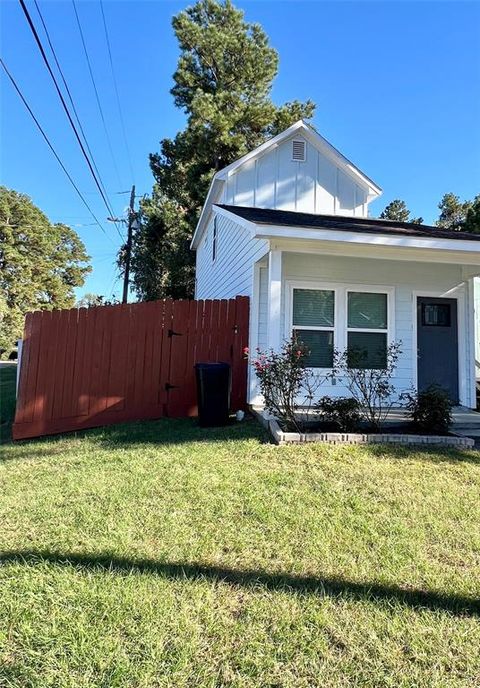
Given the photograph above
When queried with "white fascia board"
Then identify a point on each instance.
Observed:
(319, 142)
(468, 250)
(212, 196)
(256, 152)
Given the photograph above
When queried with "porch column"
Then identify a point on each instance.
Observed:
(472, 334)
(275, 334)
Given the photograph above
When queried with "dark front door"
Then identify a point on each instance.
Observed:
(437, 341)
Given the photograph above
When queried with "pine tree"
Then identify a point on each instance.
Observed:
(222, 83)
(397, 211)
(453, 212)
(472, 219)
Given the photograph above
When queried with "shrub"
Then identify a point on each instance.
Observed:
(430, 410)
(344, 412)
(371, 387)
(286, 384)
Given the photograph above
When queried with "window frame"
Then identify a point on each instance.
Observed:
(340, 328)
(366, 330)
(314, 286)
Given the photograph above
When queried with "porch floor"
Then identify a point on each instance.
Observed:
(466, 421)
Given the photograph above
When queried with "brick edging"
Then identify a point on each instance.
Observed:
(281, 438)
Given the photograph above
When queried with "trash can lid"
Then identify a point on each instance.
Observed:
(216, 364)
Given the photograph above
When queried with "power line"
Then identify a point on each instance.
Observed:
(97, 97)
(67, 112)
(116, 91)
(50, 145)
(67, 88)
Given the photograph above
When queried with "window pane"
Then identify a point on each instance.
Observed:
(436, 314)
(367, 310)
(367, 350)
(313, 307)
(320, 345)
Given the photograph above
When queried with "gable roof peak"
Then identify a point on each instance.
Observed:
(316, 140)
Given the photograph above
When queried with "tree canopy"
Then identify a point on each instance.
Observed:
(397, 210)
(453, 213)
(40, 263)
(222, 83)
(472, 218)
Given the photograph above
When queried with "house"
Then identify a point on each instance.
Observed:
(287, 224)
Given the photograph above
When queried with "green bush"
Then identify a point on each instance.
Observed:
(344, 412)
(430, 410)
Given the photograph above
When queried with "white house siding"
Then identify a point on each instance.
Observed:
(231, 274)
(477, 325)
(404, 276)
(317, 185)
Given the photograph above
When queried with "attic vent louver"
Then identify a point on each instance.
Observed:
(298, 151)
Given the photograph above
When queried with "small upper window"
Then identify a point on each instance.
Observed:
(214, 240)
(299, 151)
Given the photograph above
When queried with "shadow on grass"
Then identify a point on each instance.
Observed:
(321, 586)
(165, 431)
(433, 454)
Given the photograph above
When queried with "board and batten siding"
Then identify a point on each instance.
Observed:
(405, 277)
(316, 185)
(231, 273)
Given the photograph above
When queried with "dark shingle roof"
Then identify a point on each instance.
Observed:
(364, 225)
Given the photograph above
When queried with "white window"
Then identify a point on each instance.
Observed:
(313, 324)
(214, 240)
(326, 317)
(367, 329)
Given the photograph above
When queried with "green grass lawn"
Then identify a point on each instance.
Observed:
(159, 554)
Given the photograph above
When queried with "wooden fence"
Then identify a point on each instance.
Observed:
(83, 368)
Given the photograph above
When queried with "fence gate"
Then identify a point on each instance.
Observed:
(87, 367)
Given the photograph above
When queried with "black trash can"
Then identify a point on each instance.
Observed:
(213, 393)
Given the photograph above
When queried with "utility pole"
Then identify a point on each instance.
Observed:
(128, 247)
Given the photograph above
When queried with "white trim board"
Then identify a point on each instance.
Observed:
(460, 246)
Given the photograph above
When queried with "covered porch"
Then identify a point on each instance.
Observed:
(374, 288)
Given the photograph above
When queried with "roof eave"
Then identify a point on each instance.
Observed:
(468, 248)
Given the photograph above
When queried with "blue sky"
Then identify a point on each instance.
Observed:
(397, 87)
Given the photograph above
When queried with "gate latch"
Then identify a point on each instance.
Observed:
(168, 386)
(172, 333)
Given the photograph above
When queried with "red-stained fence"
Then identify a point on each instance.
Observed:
(83, 368)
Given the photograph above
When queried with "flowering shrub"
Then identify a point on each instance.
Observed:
(286, 383)
(371, 387)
